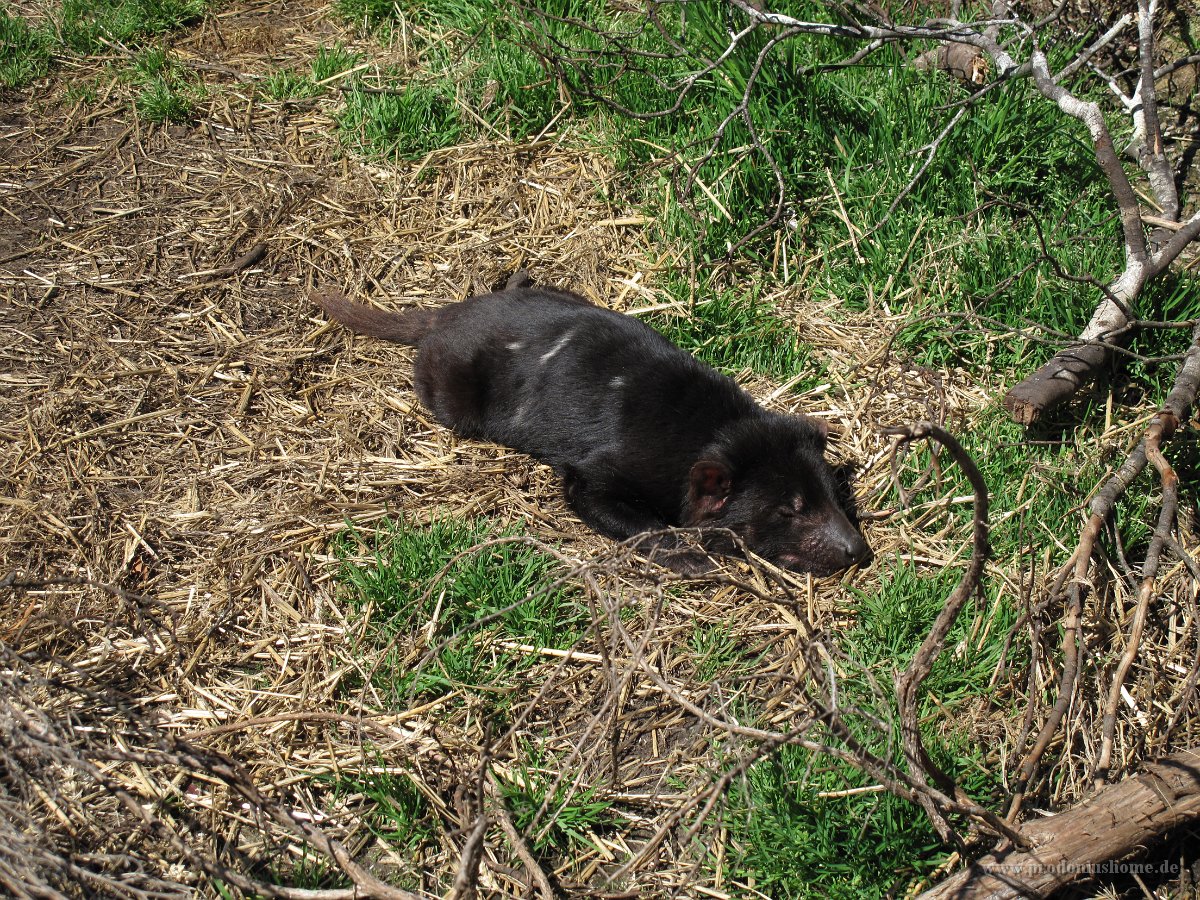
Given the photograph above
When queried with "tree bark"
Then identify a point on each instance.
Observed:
(1056, 381)
(1114, 823)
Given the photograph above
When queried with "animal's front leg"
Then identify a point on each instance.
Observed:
(609, 507)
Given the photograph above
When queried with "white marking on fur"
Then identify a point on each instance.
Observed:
(617, 383)
(562, 342)
(514, 345)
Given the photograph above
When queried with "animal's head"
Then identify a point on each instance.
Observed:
(767, 481)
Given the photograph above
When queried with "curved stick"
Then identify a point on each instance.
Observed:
(908, 684)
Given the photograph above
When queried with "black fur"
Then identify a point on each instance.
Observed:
(644, 435)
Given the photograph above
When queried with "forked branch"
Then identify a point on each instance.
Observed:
(1073, 577)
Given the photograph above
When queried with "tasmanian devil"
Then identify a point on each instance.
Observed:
(643, 435)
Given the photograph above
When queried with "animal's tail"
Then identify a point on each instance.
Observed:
(404, 327)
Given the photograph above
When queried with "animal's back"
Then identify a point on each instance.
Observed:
(547, 373)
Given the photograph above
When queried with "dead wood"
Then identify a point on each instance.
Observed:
(1056, 381)
(247, 259)
(908, 683)
(1075, 366)
(1113, 824)
(961, 61)
(1073, 576)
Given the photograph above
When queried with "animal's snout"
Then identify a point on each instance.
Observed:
(838, 547)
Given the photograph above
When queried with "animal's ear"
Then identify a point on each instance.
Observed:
(709, 484)
(819, 426)
(518, 279)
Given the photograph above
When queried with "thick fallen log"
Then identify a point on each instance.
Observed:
(1110, 826)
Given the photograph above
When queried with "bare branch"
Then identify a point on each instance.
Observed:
(1176, 245)
(1163, 426)
(1096, 46)
(1169, 68)
(1148, 142)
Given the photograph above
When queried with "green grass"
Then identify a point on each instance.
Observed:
(332, 61)
(85, 90)
(25, 52)
(398, 811)
(287, 85)
(310, 870)
(89, 26)
(732, 331)
(401, 121)
(165, 91)
(791, 842)
(477, 80)
(716, 651)
(571, 813)
(376, 14)
(329, 62)
(503, 591)
(161, 101)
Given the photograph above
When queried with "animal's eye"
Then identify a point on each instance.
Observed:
(789, 510)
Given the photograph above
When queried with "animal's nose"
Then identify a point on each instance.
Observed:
(852, 546)
(859, 550)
